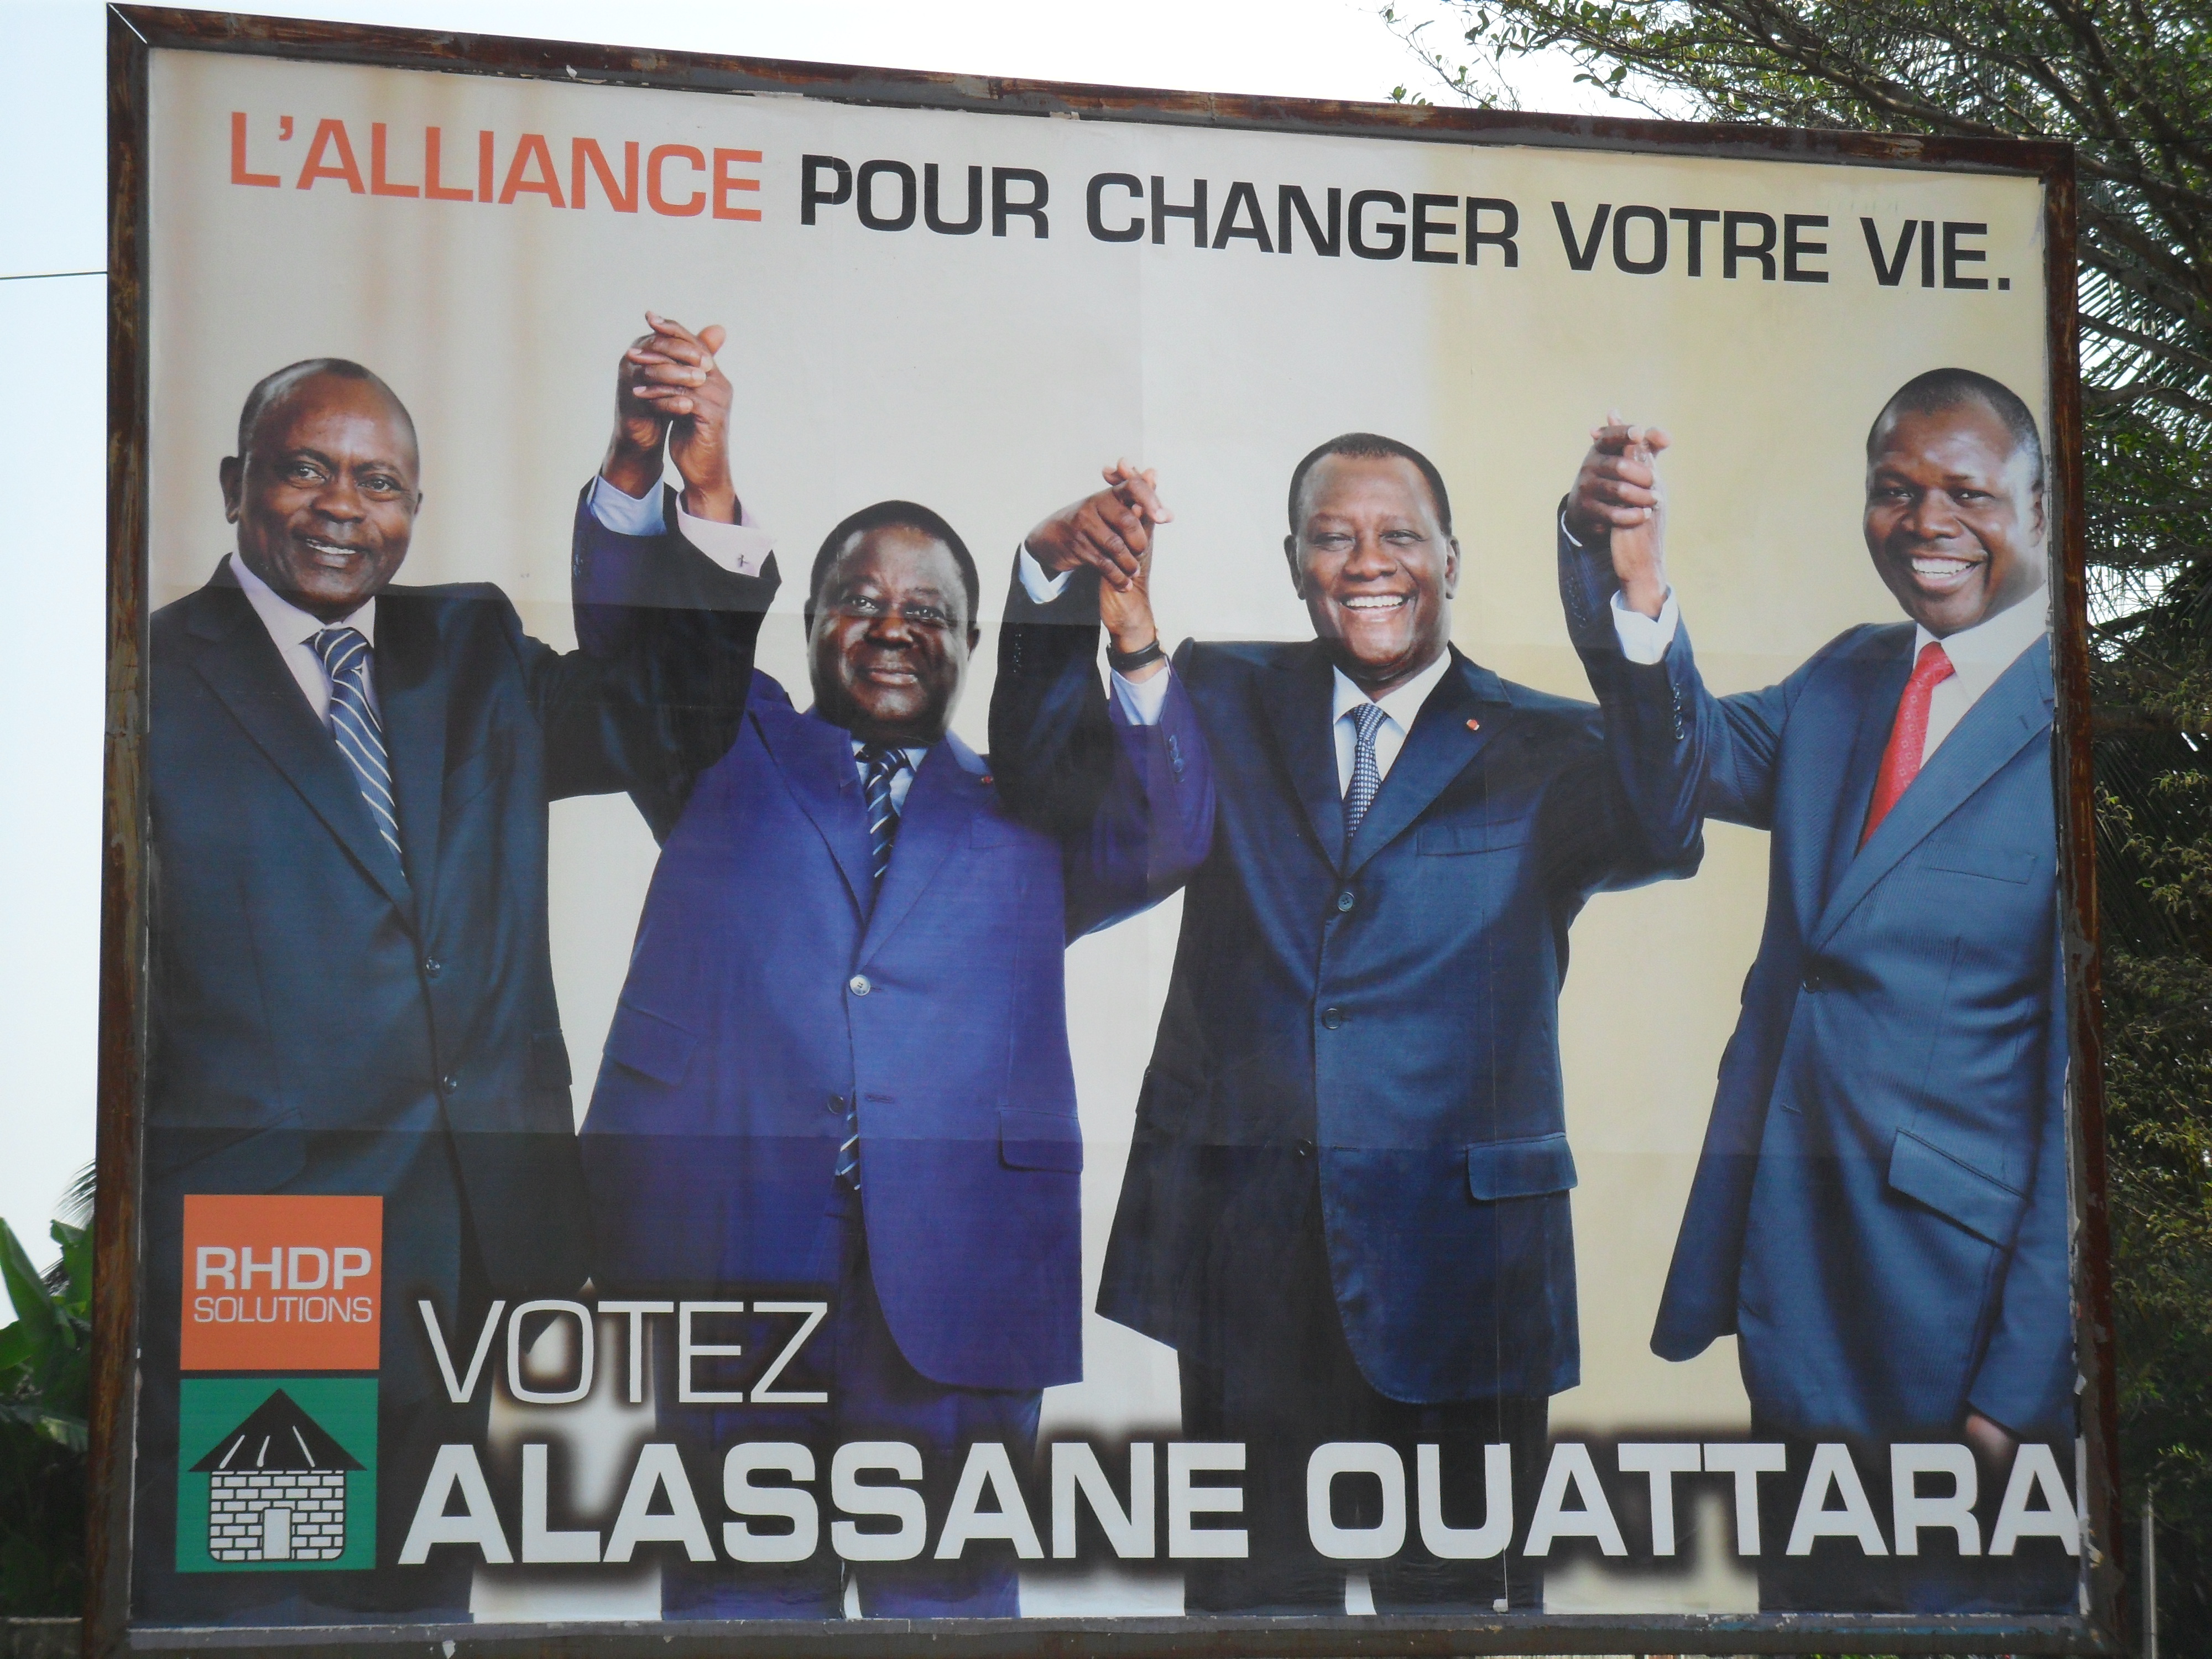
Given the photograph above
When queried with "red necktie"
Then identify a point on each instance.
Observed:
(1908, 736)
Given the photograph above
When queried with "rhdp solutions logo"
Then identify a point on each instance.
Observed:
(276, 1464)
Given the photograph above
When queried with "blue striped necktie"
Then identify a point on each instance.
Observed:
(359, 733)
(1366, 777)
(881, 763)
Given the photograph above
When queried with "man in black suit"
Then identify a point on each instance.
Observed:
(1346, 1202)
(352, 989)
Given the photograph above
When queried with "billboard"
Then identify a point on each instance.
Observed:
(848, 819)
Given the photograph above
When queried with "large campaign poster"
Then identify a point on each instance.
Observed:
(975, 855)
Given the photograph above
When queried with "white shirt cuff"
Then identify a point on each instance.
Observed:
(1573, 540)
(1040, 589)
(624, 514)
(1142, 700)
(742, 549)
(1645, 639)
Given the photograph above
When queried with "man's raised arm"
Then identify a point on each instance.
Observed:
(1122, 776)
(669, 585)
(1680, 753)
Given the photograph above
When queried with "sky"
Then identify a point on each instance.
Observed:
(52, 376)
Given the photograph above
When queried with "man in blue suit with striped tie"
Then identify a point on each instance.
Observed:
(1880, 1213)
(1346, 1205)
(837, 1095)
(352, 989)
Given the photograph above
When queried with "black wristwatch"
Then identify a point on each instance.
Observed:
(1128, 662)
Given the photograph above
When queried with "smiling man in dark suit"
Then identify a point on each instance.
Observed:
(1346, 1205)
(352, 991)
(1880, 1213)
(838, 1077)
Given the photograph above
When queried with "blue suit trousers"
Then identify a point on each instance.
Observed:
(874, 1394)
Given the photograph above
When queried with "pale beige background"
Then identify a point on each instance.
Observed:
(991, 378)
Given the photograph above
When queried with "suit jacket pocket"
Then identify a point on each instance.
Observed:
(1981, 1204)
(650, 1044)
(1520, 1169)
(1039, 1141)
(2010, 864)
(1448, 839)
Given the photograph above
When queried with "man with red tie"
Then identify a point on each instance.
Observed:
(1880, 1213)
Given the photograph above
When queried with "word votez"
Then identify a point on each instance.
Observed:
(789, 1324)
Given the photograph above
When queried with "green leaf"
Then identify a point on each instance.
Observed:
(35, 1309)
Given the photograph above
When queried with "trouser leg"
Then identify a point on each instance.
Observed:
(874, 1394)
(1836, 1574)
(1288, 1383)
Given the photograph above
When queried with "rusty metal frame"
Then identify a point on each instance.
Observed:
(135, 32)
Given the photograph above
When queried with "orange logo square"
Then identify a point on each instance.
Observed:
(290, 1283)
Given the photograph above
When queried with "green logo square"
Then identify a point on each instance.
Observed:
(276, 1474)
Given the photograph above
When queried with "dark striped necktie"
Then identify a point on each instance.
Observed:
(883, 764)
(359, 733)
(1366, 777)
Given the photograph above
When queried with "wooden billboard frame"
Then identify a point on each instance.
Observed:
(135, 33)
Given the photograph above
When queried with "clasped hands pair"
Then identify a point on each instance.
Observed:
(672, 399)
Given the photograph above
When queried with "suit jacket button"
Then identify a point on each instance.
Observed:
(859, 986)
(1812, 983)
(834, 1104)
(1305, 1149)
(1346, 900)
(1332, 1018)
(448, 1084)
(432, 967)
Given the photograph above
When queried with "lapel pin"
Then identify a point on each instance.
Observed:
(1474, 725)
(987, 777)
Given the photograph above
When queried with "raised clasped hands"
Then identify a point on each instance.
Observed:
(1112, 531)
(670, 393)
(1618, 505)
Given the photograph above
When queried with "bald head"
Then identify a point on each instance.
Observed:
(273, 389)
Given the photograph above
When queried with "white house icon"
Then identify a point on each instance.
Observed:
(277, 1488)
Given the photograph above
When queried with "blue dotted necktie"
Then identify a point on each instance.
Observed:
(1366, 721)
(883, 764)
(354, 723)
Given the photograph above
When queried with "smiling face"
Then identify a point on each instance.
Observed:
(890, 637)
(1375, 568)
(1953, 515)
(325, 498)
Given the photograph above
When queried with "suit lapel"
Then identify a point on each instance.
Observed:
(815, 759)
(234, 653)
(1437, 750)
(2012, 713)
(1298, 714)
(410, 693)
(1872, 684)
(941, 804)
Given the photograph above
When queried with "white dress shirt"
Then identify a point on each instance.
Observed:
(1979, 654)
(290, 629)
(902, 779)
(1141, 700)
(1399, 708)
